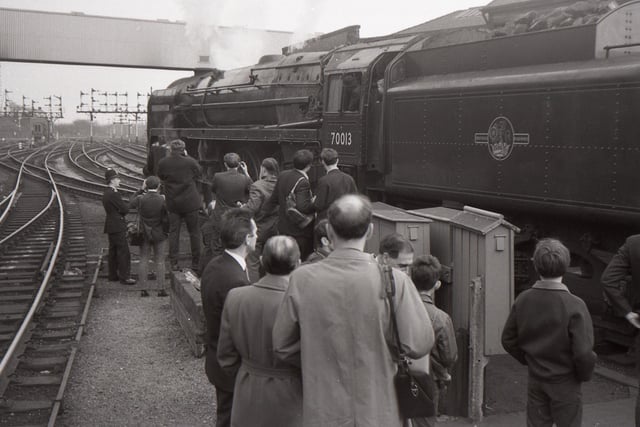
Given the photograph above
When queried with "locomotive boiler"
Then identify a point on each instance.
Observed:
(541, 126)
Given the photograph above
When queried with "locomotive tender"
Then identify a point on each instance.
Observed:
(542, 127)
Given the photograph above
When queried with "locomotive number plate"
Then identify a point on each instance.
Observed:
(341, 138)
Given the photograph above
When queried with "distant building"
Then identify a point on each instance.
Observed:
(26, 129)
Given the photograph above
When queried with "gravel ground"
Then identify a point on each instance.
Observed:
(133, 366)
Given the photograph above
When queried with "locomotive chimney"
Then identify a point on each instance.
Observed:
(204, 64)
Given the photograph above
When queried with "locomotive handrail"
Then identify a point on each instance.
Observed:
(257, 86)
(294, 124)
(618, 46)
(244, 104)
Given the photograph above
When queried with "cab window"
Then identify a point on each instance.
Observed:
(345, 93)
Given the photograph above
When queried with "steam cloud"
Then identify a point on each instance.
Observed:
(212, 28)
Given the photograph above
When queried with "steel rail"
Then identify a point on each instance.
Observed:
(31, 221)
(9, 355)
(96, 161)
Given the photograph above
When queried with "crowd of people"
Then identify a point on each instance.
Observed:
(298, 325)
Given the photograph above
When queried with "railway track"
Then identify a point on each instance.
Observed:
(44, 297)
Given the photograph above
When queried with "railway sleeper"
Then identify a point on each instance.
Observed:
(19, 406)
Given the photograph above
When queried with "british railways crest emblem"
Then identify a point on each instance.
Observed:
(501, 138)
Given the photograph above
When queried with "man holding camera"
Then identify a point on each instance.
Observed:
(229, 189)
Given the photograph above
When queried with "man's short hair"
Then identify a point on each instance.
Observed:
(394, 243)
(280, 255)
(231, 160)
(551, 258)
(425, 272)
(302, 159)
(271, 165)
(234, 227)
(152, 182)
(329, 156)
(350, 216)
(320, 231)
(176, 145)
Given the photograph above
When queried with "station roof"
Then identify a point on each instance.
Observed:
(467, 18)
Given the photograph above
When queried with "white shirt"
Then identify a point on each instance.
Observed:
(303, 173)
(239, 259)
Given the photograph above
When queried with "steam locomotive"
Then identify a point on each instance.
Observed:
(542, 126)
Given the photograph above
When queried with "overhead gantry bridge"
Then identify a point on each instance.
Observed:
(80, 39)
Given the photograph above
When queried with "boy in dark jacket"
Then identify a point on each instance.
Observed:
(425, 273)
(550, 331)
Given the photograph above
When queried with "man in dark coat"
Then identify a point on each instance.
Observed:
(153, 212)
(621, 280)
(116, 228)
(333, 185)
(181, 175)
(299, 179)
(223, 273)
(229, 189)
(157, 152)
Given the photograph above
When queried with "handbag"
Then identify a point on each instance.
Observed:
(298, 218)
(135, 229)
(414, 390)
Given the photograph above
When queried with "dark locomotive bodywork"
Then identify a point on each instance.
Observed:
(539, 126)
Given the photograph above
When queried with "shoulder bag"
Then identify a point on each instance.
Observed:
(135, 229)
(415, 391)
(300, 219)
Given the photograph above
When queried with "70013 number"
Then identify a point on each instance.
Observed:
(341, 138)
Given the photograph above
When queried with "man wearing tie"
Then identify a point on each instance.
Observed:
(238, 235)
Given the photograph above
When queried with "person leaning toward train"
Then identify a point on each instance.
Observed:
(396, 251)
(223, 273)
(289, 180)
(259, 193)
(228, 189)
(267, 392)
(425, 274)
(333, 185)
(181, 176)
(334, 322)
(155, 218)
(621, 280)
(550, 330)
(157, 152)
(115, 227)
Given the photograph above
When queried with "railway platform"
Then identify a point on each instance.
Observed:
(613, 413)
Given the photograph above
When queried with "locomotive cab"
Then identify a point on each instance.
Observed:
(353, 96)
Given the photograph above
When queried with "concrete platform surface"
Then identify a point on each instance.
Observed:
(613, 413)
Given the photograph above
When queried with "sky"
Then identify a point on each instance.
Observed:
(36, 81)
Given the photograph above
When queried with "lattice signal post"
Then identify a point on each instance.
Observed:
(102, 102)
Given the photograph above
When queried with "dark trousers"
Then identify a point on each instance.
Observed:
(119, 256)
(305, 243)
(224, 400)
(637, 350)
(554, 402)
(175, 223)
